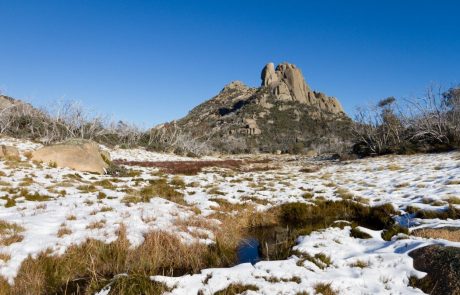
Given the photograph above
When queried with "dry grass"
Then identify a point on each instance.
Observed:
(310, 169)
(10, 233)
(360, 264)
(234, 289)
(451, 234)
(453, 200)
(325, 289)
(394, 167)
(92, 265)
(63, 231)
(321, 260)
(96, 224)
(156, 188)
(4, 257)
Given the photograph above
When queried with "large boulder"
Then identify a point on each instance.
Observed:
(81, 155)
(442, 265)
(9, 152)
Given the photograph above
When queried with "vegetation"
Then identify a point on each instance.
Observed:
(234, 289)
(325, 213)
(429, 123)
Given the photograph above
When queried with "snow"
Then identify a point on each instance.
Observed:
(426, 181)
(387, 272)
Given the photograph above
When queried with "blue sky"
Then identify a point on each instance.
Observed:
(152, 61)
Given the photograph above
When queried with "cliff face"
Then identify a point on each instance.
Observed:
(282, 114)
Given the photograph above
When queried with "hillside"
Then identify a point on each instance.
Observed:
(282, 114)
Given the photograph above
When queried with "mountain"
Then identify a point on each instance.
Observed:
(282, 114)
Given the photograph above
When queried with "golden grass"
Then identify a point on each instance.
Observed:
(394, 167)
(234, 289)
(360, 264)
(10, 233)
(325, 289)
(156, 188)
(438, 233)
(90, 266)
(5, 257)
(63, 231)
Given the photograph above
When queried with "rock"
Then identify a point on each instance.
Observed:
(235, 85)
(80, 155)
(288, 84)
(9, 152)
(268, 74)
(442, 265)
(251, 127)
(283, 114)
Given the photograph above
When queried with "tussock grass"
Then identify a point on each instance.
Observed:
(10, 202)
(178, 182)
(310, 169)
(215, 191)
(326, 212)
(321, 260)
(10, 233)
(450, 234)
(105, 183)
(87, 188)
(394, 167)
(255, 200)
(234, 289)
(324, 289)
(4, 257)
(450, 212)
(63, 231)
(357, 233)
(101, 195)
(156, 188)
(393, 230)
(360, 264)
(226, 206)
(87, 268)
(454, 200)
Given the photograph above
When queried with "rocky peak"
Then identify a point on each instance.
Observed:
(235, 85)
(287, 83)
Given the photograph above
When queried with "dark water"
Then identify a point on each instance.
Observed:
(248, 251)
(265, 243)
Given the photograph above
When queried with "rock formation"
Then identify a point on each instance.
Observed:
(284, 113)
(287, 83)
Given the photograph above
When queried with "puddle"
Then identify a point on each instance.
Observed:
(266, 243)
(248, 251)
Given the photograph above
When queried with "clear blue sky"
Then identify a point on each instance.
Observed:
(152, 61)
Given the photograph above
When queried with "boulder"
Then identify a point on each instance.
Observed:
(80, 155)
(442, 265)
(9, 152)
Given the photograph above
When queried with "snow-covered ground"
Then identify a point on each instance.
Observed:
(427, 181)
(358, 266)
